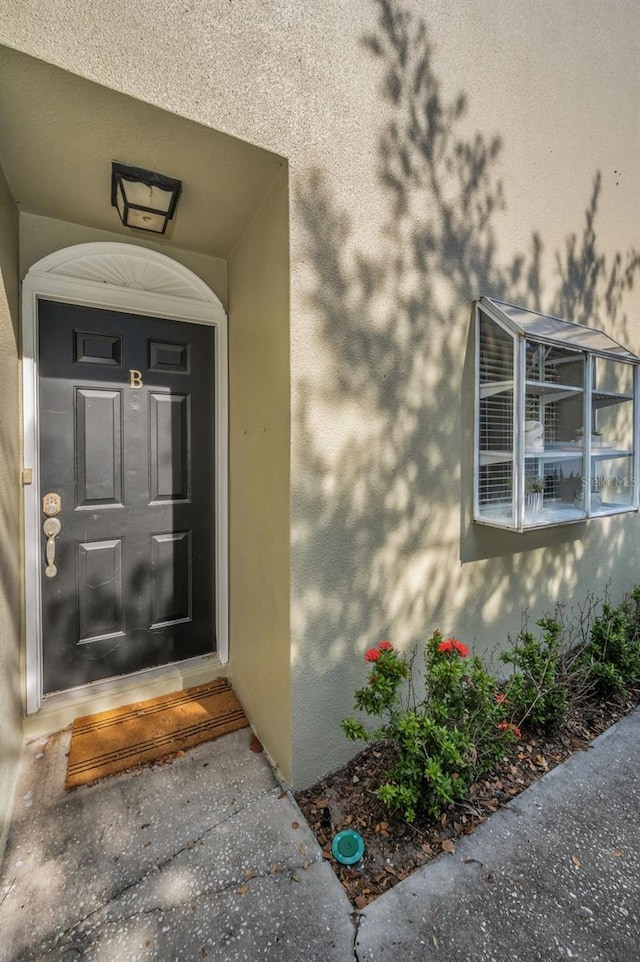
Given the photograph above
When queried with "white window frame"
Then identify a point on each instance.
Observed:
(517, 384)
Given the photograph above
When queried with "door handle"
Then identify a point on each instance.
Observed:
(51, 528)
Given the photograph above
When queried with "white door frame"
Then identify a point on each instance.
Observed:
(133, 280)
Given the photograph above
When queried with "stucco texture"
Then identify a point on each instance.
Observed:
(259, 404)
(10, 562)
(435, 152)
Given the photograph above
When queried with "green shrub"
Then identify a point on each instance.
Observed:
(612, 655)
(537, 692)
(465, 722)
(443, 743)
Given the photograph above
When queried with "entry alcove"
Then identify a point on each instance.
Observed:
(557, 420)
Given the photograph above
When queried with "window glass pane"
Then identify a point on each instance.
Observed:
(612, 436)
(612, 421)
(495, 489)
(612, 426)
(553, 488)
(496, 352)
(553, 365)
(611, 483)
(612, 377)
(562, 332)
(495, 475)
(554, 413)
(553, 451)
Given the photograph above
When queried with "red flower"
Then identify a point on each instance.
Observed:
(500, 698)
(452, 644)
(385, 646)
(372, 654)
(509, 726)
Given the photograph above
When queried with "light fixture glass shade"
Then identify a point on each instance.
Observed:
(144, 199)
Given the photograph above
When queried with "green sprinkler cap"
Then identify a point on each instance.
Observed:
(347, 847)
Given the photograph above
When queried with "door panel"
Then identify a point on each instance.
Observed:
(100, 590)
(170, 454)
(171, 575)
(125, 404)
(98, 446)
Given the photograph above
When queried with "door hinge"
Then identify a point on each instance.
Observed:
(27, 475)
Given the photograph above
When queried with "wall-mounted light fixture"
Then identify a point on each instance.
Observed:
(144, 199)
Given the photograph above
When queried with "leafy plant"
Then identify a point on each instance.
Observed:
(444, 742)
(466, 721)
(612, 655)
(537, 690)
(535, 487)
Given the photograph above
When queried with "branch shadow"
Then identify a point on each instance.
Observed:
(10, 503)
(383, 538)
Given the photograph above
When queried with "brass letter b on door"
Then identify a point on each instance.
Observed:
(135, 379)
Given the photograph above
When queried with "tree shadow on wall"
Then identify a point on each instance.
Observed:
(377, 538)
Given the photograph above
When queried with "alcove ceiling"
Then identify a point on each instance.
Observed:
(60, 133)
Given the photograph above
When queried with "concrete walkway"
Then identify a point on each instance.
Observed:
(206, 858)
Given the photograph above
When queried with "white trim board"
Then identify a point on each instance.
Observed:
(133, 280)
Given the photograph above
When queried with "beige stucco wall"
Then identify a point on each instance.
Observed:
(387, 252)
(10, 627)
(259, 401)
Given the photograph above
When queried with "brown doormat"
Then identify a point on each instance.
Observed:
(114, 741)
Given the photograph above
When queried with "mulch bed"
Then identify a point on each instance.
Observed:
(395, 848)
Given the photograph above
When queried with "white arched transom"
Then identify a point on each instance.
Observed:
(126, 266)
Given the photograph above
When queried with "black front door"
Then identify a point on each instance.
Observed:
(127, 444)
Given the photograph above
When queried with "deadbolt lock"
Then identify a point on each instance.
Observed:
(51, 504)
